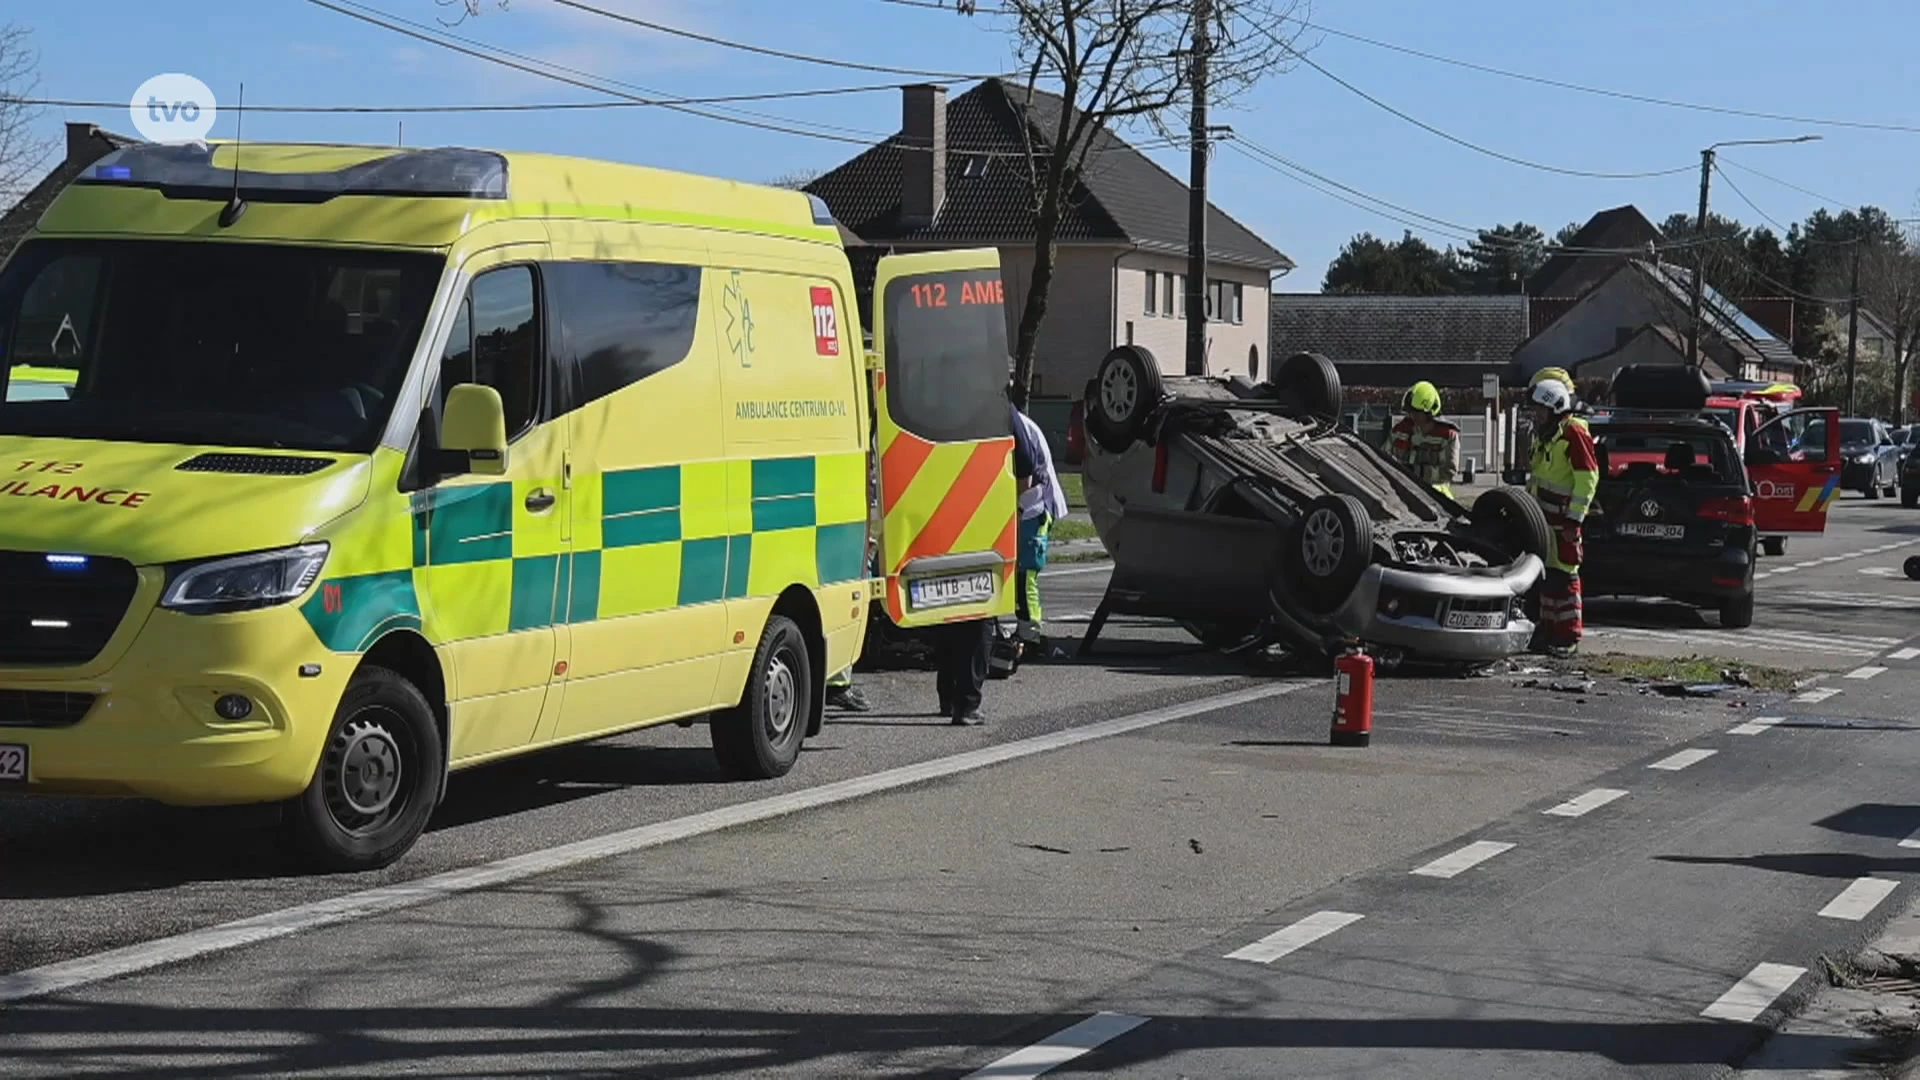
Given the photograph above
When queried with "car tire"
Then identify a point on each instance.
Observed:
(1911, 567)
(1774, 546)
(379, 777)
(1872, 490)
(759, 739)
(1736, 612)
(1328, 548)
(1126, 388)
(1514, 519)
(1310, 384)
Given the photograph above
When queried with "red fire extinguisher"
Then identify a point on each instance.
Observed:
(1352, 699)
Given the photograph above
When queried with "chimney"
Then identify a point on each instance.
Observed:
(82, 143)
(923, 130)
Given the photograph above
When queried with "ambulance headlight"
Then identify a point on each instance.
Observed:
(243, 582)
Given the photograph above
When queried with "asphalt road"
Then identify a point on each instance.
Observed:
(1147, 865)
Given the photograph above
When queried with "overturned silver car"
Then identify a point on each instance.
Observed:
(1244, 512)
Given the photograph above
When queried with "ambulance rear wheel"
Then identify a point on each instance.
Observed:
(759, 739)
(378, 780)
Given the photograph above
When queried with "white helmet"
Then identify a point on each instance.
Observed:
(1553, 395)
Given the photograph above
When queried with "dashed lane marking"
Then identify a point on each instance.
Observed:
(1831, 559)
(1815, 697)
(1912, 840)
(1907, 653)
(1867, 672)
(1459, 862)
(1682, 759)
(1858, 900)
(1581, 805)
(1069, 571)
(1754, 993)
(1060, 1048)
(53, 978)
(1756, 725)
(1295, 937)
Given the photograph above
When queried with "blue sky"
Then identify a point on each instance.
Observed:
(1774, 55)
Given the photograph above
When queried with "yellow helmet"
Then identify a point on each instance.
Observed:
(1558, 375)
(1422, 397)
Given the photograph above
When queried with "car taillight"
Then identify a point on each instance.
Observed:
(1730, 509)
(1077, 433)
(1160, 468)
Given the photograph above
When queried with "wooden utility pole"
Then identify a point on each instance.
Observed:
(1853, 323)
(1196, 291)
(1699, 261)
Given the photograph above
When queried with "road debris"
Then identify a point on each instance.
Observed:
(1195, 845)
(1048, 850)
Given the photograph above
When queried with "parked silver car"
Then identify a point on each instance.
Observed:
(1246, 513)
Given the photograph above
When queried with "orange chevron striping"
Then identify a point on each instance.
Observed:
(899, 465)
(1009, 543)
(970, 489)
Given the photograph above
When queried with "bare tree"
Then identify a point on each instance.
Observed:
(1113, 63)
(1890, 288)
(467, 9)
(795, 180)
(22, 152)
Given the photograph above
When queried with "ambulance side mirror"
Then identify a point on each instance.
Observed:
(474, 426)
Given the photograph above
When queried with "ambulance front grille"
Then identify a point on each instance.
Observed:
(60, 610)
(42, 708)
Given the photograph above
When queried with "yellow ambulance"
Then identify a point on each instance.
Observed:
(379, 463)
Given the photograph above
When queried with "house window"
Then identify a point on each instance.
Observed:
(1169, 284)
(1236, 302)
(1153, 294)
(1129, 331)
(1182, 291)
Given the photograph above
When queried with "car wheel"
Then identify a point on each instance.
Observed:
(1912, 567)
(1328, 548)
(1310, 384)
(379, 777)
(1126, 389)
(759, 739)
(1775, 546)
(1514, 520)
(1736, 612)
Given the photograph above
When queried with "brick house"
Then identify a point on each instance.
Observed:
(957, 175)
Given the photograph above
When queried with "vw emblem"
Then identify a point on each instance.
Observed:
(1650, 508)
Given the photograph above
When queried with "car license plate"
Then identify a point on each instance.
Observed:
(951, 590)
(1477, 620)
(13, 761)
(1656, 532)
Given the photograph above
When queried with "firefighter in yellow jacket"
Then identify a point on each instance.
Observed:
(1425, 445)
(1564, 475)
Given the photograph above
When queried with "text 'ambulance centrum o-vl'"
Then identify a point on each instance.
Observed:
(327, 470)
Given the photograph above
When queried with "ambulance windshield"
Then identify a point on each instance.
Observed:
(219, 344)
(946, 355)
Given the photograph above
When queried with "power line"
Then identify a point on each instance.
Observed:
(1830, 201)
(1272, 166)
(1722, 173)
(762, 50)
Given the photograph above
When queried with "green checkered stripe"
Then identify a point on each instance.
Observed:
(645, 540)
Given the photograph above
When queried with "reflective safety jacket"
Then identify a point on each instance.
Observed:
(1431, 452)
(1565, 471)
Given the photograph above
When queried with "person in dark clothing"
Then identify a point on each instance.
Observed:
(961, 650)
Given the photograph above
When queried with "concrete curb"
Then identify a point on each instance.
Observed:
(1843, 1033)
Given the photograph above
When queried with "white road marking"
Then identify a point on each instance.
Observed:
(1774, 640)
(1755, 991)
(1585, 804)
(1060, 1047)
(1682, 759)
(1854, 600)
(1756, 725)
(1867, 672)
(1912, 840)
(1465, 859)
(1295, 937)
(1815, 697)
(53, 978)
(1858, 900)
(1069, 571)
(1907, 653)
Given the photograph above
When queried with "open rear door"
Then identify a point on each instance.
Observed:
(1794, 463)
(947, 495)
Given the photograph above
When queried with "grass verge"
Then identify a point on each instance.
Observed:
(1683, 669)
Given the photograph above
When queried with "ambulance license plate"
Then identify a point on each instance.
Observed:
(13, 761)
(1477, 620)
(951, 590)
(1656, 532)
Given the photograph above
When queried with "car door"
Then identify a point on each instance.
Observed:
(1793, 462)
(945, 436)
(489, 550)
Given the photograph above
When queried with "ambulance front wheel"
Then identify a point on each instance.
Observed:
(378, 780)
(759, 739)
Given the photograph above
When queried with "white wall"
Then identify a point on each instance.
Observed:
(1165, 333)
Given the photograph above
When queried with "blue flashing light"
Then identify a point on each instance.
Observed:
(67, 562)
(113, 172)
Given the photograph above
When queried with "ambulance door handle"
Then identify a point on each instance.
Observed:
(539, 501)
